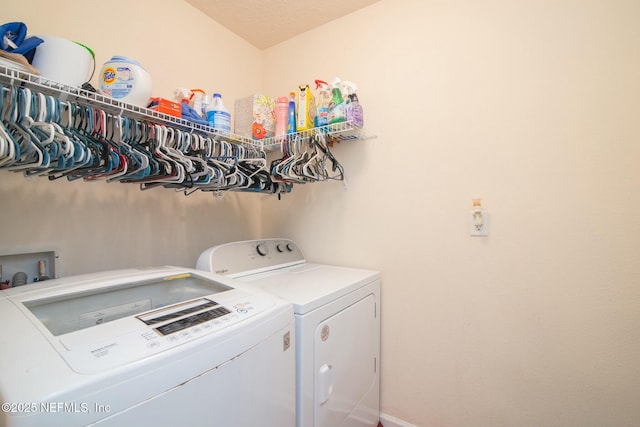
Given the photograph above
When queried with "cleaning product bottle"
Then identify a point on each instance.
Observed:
(323, 97)
(354, 112)
(197, 101)
(336, 112)
(306, 108)
(217, 115)
(282, 115)
(291, 123)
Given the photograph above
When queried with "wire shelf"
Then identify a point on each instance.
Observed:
(337, 132)
(11, 76)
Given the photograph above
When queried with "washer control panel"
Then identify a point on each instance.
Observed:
(251, 256)
(161, 330)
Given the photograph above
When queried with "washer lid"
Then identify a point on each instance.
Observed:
(309, 286)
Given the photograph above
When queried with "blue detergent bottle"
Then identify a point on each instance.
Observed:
(291, 122)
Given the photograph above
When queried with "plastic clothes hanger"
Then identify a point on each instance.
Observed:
(171, 171)
(111, 136)
(82, 156)
(87, 124)
(35, 156)
(48, 133)
(125, 134)
(139, 137)
(198, 167)
(113, 161)
(136, 163)
(336, 168)
(20, 138)
(201, 147)
(9, 145)
(88, 127)
(284, 170)
(65, 145)
(170, 139)
(43, 134)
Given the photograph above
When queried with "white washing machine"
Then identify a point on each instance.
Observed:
(158, 347)
(337, 312)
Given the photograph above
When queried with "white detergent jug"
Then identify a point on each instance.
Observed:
(126, 80)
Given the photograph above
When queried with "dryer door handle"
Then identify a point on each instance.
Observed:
(325, 382)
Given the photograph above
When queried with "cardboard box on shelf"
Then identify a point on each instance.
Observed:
(166, 106)
(254, 117)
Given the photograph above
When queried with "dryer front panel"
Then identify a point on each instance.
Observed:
(346, 351)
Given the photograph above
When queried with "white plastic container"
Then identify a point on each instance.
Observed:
(282, 115)
(217, 115)
(64, 61)
(126, 80)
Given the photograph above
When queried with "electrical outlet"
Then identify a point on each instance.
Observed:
(479, 225)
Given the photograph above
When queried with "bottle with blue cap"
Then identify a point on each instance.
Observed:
(217, 115)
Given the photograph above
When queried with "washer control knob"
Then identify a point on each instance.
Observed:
(280, 247)
(290, 247)
(262, 249)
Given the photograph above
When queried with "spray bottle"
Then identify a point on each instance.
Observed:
(354, 112)
(198, 101)
(336, 112)
(324, 98)
(291, 122)
(181, 95)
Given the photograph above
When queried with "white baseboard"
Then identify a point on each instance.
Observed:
(389, 421)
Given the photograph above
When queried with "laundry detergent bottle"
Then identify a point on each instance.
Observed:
(126, 80)
(217, 115)
(306, 108)
(291, 122)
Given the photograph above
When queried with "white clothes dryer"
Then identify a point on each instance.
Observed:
(337, 312)
(159, 347)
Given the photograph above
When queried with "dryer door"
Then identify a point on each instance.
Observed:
(346, 348)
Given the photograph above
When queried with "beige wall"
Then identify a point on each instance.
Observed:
(532, 106)
(100, 226)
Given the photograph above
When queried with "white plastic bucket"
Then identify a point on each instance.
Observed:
(126, 80)
(64, 61)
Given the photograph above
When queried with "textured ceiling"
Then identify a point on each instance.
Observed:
(265, 23)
